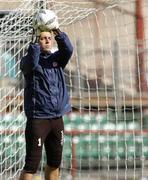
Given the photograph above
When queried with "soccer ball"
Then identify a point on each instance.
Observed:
(45, 20)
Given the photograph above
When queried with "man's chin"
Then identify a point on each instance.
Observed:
(46, 50)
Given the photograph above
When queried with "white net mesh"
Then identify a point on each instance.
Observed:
(106, 78)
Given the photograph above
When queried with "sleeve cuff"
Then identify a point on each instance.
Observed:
(60, 36)
(34, 48)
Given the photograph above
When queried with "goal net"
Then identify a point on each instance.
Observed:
(106, 134)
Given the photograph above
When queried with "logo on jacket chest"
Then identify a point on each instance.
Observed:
(55, 64)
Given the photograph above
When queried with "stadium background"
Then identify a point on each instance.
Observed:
(107, 82)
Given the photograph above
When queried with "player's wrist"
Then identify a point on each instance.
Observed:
(35, 36)
(56, 31)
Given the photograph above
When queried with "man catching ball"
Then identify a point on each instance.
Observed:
(46, 100)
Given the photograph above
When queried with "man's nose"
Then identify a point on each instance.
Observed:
(47, 40)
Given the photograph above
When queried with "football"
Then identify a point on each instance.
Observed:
(45, 20)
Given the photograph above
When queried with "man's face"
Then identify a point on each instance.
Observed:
(45, 41)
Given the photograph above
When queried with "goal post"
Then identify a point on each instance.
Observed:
(107, 131)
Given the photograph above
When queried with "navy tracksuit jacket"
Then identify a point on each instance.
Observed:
(45, 93)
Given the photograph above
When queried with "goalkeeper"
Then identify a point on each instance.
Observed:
(46, 100)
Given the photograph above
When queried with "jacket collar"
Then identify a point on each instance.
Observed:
(45, 54)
